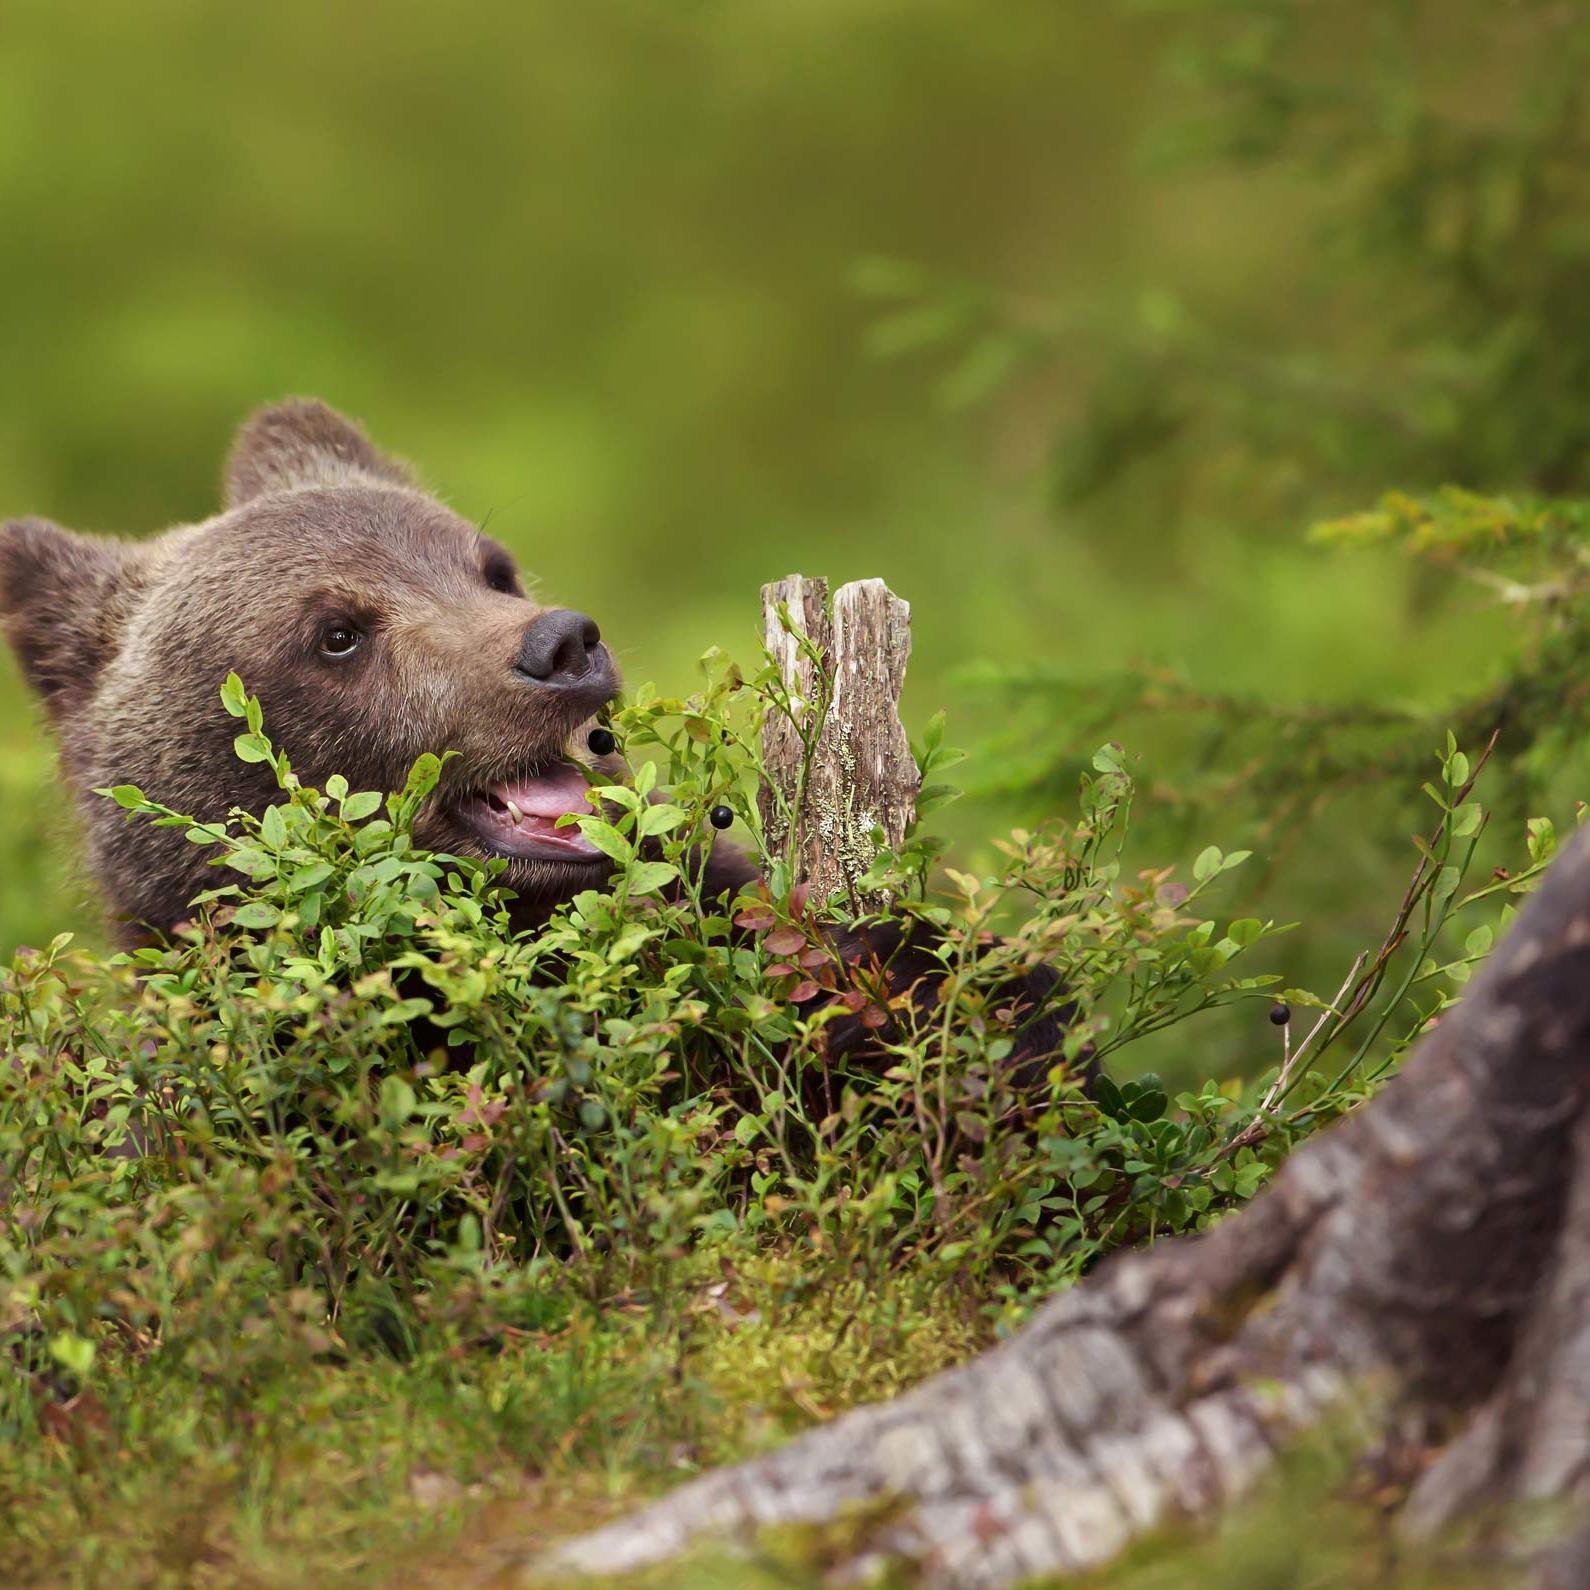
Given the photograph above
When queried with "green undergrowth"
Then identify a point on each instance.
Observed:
(352, 1226)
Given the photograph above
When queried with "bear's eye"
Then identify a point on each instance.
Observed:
(499, 577)
(338, 640)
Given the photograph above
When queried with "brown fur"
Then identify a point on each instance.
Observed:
(127, 644)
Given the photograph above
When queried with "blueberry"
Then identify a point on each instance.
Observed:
(602, 742)
(720, 817)
(1280, 1013)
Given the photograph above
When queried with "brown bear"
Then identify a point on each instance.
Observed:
(373, 623)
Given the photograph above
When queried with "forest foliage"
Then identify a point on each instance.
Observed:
(347, 1112)
(361, 1211)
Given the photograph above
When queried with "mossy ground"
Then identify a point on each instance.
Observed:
(451, 1466)
(455, 1466)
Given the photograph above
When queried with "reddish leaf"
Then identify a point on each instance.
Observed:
(804, 990)
(874, 1016)
(481, 1111)
(756, 918)
(77, 1422)
(780, 969)
(814, 957)
(784, 941)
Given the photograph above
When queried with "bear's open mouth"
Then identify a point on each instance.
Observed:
(519, 817)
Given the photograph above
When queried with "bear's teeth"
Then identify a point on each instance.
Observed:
(514, 812)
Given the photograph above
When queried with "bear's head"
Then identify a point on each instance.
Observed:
(373, 623)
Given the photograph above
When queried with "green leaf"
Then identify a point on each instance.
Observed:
(233, 696)
(423, 776)
(1542, 840)
(879, 276)
(397, 1100)
(1148, 1106)
(355, 808)
(128, 796)
(257, 915)
(985, 367)
(914, 329)
(659, 819)
(73, 1353)
(1446, 882)
(931, 796)
(406, 1010)
(371, 836)
(308, 877)
(645, 876)
(1208, 864)
(251, 863)
(620, 795)
(273, 827)
(1466, 819)
(251, 748)
(607, 839)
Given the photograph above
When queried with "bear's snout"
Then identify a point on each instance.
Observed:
(563, 650)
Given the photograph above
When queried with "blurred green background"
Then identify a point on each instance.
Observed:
(611, 273)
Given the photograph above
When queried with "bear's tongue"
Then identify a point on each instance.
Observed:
(529, 808)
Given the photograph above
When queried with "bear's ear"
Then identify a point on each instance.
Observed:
(61, 605)
(303, 443)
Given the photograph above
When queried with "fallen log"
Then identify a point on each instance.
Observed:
(1427, 1262)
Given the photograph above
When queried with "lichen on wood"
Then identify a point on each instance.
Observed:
(838, 762)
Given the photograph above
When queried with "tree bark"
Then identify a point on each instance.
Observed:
(841, 766)
(1426, 1263)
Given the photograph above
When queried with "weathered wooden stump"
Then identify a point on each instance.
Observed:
(839, 766)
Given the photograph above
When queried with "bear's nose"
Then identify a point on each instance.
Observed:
(560, 648)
